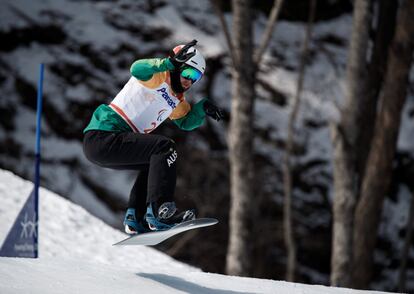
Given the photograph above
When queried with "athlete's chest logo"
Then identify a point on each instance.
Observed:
(170, 101)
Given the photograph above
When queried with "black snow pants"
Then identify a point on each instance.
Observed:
(153, 156)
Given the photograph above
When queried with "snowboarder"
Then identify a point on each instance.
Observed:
(119, 134)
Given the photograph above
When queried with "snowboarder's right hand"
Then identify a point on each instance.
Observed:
(182, 56)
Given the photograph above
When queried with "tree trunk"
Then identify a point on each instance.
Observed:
(343, 211)
(379, 164)
(344, 138)
(376, 72)
(287, 172)
(241, 142)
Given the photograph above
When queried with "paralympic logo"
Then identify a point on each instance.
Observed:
(160, 114)
(29, 228)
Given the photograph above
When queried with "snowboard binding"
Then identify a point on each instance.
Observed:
(132, 226)
(166, 216)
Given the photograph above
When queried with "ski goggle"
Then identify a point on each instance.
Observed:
(190, 73)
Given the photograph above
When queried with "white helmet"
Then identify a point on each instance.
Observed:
(197, 61)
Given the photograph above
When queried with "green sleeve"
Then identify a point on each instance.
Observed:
(143, 69)
(193, 119)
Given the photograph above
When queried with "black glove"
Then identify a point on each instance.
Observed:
(182, 56)
(212, 110)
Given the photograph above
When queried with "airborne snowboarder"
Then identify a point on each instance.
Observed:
(119, 134)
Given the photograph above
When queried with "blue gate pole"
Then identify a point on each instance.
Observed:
(37, 149)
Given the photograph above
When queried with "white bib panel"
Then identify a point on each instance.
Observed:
(144, 109)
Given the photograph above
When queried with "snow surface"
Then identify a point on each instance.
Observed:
(76, 256)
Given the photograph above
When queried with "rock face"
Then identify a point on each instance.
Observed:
(88, 47)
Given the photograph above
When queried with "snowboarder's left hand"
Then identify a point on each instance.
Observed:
(212, 110)
(182, 56)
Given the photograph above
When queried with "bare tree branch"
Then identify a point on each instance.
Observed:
(268, 31)
(220, 15)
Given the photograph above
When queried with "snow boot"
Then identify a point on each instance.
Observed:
(132, 226)
(166, 216)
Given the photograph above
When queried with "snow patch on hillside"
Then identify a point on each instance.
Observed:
(76, 256)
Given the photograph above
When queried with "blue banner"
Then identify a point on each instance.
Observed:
(22, 238)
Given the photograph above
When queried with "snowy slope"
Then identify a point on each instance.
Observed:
(76, 256)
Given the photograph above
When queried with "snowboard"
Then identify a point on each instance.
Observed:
(156, 237)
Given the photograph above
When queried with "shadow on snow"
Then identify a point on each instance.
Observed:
(185, 286)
